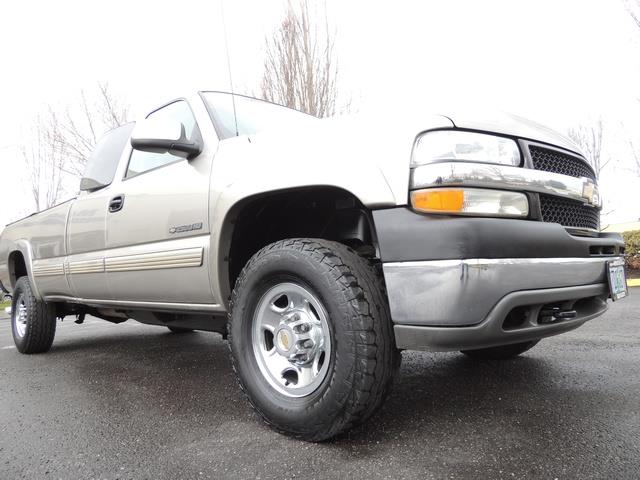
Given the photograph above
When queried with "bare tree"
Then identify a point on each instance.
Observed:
(635, 154)
(589, 139)
(44, 162)
(62, 140)
(300, 67)
(633, 7)
(79, 129)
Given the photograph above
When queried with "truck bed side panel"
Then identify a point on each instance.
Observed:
(45, 235)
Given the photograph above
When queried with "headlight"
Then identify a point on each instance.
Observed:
(452, 145)
(470, 201)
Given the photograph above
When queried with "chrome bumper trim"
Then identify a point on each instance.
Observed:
(449, 174)
(454, 293)
(490, 332)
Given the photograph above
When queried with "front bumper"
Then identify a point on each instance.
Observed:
(467, 283)
(451, 293)
(469, 304)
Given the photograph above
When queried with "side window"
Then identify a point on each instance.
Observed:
(101, 166)
(141, 162)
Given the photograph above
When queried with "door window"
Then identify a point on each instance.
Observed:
(101, 166)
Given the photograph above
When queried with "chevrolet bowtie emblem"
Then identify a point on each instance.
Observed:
(283, 337)
(590, 192)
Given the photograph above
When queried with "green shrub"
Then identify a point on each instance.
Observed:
(632, 248)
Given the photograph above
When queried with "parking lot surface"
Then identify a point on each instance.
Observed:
(135, 401)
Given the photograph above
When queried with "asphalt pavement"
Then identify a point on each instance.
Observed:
(135, 401)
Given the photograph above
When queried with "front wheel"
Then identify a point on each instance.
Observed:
(33, 322)
(502, 352)
(311, 337)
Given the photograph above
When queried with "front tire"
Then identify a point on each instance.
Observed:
(33, 322)
(311, 337)
(502, 352)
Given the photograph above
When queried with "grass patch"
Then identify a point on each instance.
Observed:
(4, 304)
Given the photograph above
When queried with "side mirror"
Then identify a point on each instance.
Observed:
(164, 136)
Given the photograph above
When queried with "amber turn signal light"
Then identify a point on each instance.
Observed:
(471, 201)
(449, 201)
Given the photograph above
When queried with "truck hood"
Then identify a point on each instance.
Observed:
(366, 154)
(513, 125)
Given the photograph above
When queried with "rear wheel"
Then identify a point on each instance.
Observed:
(311, 337)
(502, 352)
(33, 322)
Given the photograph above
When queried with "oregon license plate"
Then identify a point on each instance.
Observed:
(617, 279)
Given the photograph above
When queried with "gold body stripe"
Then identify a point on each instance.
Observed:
(47, 270)
(181, 258)
(187, 257)
(86, 266)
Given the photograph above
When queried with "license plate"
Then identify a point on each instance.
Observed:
(617, 279)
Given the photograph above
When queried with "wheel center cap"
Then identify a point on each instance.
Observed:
(297, 339)
(284, 339)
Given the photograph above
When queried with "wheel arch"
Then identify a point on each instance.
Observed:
(331, 212)
(20, 263)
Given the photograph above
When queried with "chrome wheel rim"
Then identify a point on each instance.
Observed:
(291, 339)
(19, 317)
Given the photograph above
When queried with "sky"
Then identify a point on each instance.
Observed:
(559, 62)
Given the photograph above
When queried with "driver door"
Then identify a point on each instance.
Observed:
(158, 224)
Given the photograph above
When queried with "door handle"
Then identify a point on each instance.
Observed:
(116, 203)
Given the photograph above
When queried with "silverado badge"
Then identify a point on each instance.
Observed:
(186, 228)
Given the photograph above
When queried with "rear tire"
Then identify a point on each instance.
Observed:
(502, 352)
(33, 322)
(333, 366)
(180, 330)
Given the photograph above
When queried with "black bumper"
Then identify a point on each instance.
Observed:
(405, 236)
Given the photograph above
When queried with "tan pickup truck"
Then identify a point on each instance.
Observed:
(321, 248)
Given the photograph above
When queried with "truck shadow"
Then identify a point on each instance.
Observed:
(440, 392)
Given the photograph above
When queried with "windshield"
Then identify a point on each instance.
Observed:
(253, 115)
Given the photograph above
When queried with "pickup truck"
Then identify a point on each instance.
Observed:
(320, 249)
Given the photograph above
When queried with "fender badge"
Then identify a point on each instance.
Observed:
(186, 228)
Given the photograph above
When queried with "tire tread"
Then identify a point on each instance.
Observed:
(376, 357)
(41, 321)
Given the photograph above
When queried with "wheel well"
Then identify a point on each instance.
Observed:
(316, 212)
(17, 267)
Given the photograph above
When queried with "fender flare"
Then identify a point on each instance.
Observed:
(24, 247)
(226, 218)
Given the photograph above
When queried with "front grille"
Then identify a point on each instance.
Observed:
(569, 213)
(558, 162)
